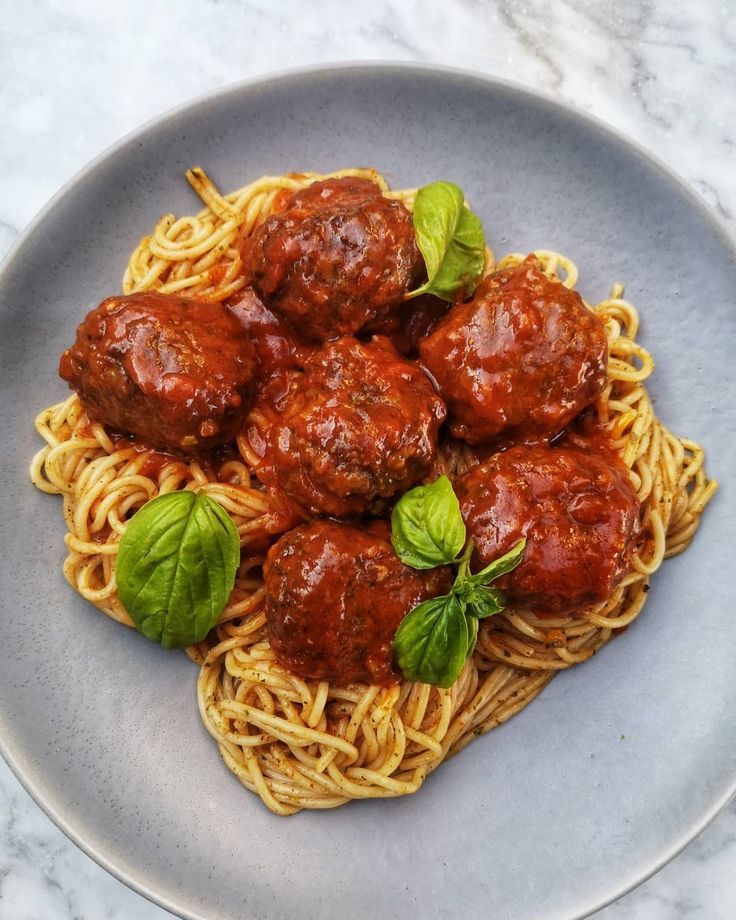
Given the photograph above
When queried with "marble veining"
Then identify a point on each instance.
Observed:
(76, 75)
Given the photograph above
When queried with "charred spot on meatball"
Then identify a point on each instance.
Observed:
(358, 427)
(339, 256)
(578, 511)
(335, 596)
(521, 358)
(175, 372)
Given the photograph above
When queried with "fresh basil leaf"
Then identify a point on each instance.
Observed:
(427, 528)
(450, 238)
(500, 566)
(433, 641)
(464, 259)
(478, 600)
(176, 567)
(484, 602)
(437, 210)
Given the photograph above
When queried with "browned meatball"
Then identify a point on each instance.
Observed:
(414, 320)
(177, 373)
(521, 358)
(335, 596)
(339, 256)
(274, 343)
(358, 427)
(577, 509)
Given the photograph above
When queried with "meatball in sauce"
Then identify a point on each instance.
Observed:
(338, 257)
(177, 373)
(335, 596)
(276, 347)
(519, 360)
(357, 428)
(414, 320)
(578, 511)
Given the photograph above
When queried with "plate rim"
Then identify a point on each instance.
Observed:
(709, 214)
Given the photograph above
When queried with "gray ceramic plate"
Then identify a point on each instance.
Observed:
(618, 764)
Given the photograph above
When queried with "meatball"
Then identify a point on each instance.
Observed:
(176, 373)
(414, 320)
(521, 358)
(274, 343)
(335, 595)
(339, 256)
(577, 509)
(358, 427)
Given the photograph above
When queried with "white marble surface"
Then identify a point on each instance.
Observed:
(75, 76)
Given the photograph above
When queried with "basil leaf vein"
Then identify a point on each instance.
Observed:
(450, 238)
(427, 528)
(176, 567)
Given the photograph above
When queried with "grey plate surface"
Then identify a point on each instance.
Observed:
(613, 769)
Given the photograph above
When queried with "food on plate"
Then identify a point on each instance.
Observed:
(176, 565)
(358, 426)
(414, 319)
(576, 509)
(276, 346)
(177, 373)
(521, 358)
(335, 596)
(338, 256)
(312, 348)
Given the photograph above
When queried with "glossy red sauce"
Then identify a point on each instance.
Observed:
(335, 596)
(177, 373)
(577, 509)
(217, 273)
(356, 428)
(521, 358)
(210, 460)
(276, 346)
(584, 433)
(411, 322)
(282, 199)
(154, 461)
(339, 256)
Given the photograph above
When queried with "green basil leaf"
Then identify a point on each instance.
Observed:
(500, 566)
(484, 602)
(176, 567)
(477, 600)
(433, 641)
(464, 259)
(450, 238)
(427, 528)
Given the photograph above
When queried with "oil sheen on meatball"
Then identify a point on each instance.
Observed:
(358, 427)
(578, 511)
(522, 358)
(175, 372)
(275, 345)
(339, 256)
(335, 596)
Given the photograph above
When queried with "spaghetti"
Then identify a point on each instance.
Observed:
(313, 744)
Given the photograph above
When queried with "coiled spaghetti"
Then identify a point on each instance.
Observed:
(312, 744)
